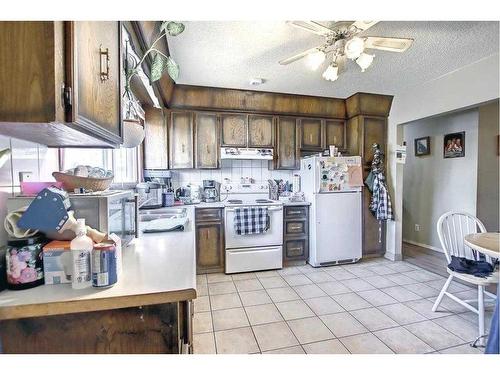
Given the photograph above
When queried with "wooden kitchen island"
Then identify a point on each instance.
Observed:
(147, 311)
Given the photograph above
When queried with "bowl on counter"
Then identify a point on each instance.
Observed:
(72, 182)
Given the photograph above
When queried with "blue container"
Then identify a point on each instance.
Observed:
(104, 271)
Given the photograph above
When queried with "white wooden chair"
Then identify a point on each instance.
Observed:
(452, 227)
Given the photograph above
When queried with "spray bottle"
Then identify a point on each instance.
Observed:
(81, 247)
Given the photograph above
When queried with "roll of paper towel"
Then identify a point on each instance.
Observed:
(296, 183)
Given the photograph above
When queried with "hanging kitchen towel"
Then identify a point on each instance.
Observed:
(380, 204)
(250, 220)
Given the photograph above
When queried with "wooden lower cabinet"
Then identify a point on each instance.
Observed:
(373, 232)
(295, 235)
(152, 329)
(210, 252)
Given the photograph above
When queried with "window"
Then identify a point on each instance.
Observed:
(124, 162)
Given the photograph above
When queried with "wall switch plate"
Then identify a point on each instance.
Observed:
(417, 227)
(25, 176)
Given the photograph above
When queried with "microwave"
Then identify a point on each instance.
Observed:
(112, 211)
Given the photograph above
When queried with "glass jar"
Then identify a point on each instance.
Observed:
(24, 262)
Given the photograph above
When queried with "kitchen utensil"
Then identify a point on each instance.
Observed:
(273, 190)
(211, 191)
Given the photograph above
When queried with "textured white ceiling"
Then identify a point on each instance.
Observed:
(228, 54)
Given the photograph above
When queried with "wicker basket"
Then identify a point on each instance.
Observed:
(71, 182)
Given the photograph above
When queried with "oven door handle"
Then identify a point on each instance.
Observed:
(269, 209)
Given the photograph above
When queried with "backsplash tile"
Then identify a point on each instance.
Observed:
(231, 169)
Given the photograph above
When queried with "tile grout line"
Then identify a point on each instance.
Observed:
(302, 299)
(248, 319)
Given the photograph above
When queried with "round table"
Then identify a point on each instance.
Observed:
(486, 243)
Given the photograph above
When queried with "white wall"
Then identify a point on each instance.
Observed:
(25, 157)
(434, 185)
(471, 85)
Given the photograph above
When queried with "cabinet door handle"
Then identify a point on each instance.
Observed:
(183, 148)
(104, 69)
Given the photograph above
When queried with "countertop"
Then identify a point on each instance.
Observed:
(157, 268)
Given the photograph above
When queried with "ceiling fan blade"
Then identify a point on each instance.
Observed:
(299, 56)
(363, 25)
(388, 44)
(311, 26)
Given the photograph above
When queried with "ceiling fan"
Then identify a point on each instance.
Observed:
(341, 43)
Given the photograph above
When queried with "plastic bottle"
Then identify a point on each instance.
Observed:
(81, 247)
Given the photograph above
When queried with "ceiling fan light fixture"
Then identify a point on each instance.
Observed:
(331, 73)
(354, 47)
(364, 61)
(315, 59)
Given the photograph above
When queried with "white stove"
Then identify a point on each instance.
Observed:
(252, 252)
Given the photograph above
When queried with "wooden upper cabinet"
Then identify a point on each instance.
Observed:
(260, 131)
(287, 153)
(334, 133)
(234, 130)
(311, 134)
(206, 140)
(156, 140)
(181, 140)
(52, 84)
(94, 75)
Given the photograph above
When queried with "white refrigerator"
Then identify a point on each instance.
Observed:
(333, 185)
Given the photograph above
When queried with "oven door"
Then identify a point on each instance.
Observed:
(273, 237)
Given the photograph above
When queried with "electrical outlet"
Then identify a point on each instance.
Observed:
(25, 176)
(417, 227)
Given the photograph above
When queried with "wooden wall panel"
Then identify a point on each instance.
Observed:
(367, 104)
(220, 99)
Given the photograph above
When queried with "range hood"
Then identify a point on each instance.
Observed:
(246, 153)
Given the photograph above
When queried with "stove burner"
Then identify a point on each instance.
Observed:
(235, 201)
(263, 201)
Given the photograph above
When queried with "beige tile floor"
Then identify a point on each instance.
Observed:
(375, 306)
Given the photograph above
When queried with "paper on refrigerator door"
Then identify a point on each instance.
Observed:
(355, 175)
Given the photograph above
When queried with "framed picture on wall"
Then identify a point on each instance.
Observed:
(454, 145)
(422, 146)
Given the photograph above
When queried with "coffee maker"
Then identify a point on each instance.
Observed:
(211, 191)
(154, 191)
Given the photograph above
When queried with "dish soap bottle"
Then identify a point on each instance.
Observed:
(81, 247)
